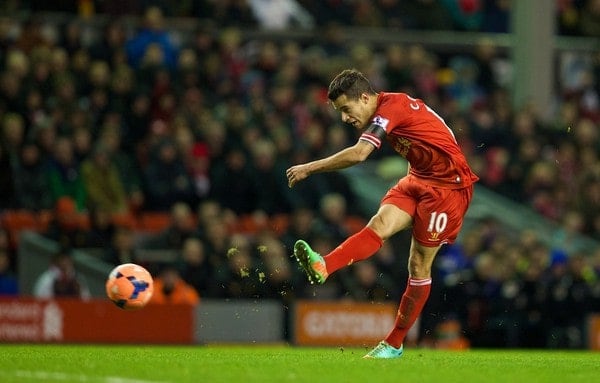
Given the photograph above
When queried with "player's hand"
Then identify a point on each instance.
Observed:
(296, 173)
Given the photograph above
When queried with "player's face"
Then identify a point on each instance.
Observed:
(354, 112)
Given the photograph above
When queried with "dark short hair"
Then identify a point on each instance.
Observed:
(350, 82)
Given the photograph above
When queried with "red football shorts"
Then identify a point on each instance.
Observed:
(437, 213)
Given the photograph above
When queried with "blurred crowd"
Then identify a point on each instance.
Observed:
(115, 120)
(573, 17)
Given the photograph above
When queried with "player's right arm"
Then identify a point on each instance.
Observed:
(340, 160)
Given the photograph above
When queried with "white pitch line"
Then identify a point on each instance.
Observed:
(46, 375)
(116, 379)
(61, 376)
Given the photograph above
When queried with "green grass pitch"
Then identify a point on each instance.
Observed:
(175, 364)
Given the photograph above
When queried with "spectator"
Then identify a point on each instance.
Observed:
(111, 45)
(233, 178)
(210, 211)
(236, 277)
(331, 221)
(367, 283)
(7, 179)
(111, 139)
(83, 141)
(270, 184)
(396, 71)
(13, 135)
(103, 183)
(481, 292)
(456, 261)
(9, 284)
(61, 279)
(116, 8)
(530, 303)
(195, 268)
(216, 236)
(302, 225)
(64, 174)
(566, 306)
(32, 36)
(392, 13)
(101, 229)
(98, 77)
(464, 88)
(590, 18)
(181, 227)
(121, 248)
(192, 110)
(34, 108)
(426, 14)
(137, 119)
(5, 243)
(122, 87)
(496, 16)
(152, 36)
(166, 179)
(387, 261)
(44, 134)
(467, 15)
(276, 272)
(309, 194)
(199, 168)
(488, 59)
(68, 226)
(231, 13)
(367, 14)
(195, 155)
(170, 288)
(10, 91)
(71, 36)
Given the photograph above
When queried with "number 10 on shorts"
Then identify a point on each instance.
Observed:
(437, 222)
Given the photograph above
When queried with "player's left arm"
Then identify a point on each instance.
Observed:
(340, 160)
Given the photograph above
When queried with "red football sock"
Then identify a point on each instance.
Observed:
(411, 305)
(357, 247)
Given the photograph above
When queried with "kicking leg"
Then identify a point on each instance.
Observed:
(388, 221)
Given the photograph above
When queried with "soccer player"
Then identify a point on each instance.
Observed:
(432, 198)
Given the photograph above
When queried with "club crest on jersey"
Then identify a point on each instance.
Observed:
(380, 121)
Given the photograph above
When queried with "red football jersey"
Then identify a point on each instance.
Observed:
(421, 136)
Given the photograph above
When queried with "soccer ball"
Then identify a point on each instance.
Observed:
(129, 286)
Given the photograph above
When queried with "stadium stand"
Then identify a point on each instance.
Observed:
(227, 88)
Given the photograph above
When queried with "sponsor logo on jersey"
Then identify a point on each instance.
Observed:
(402, 145)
